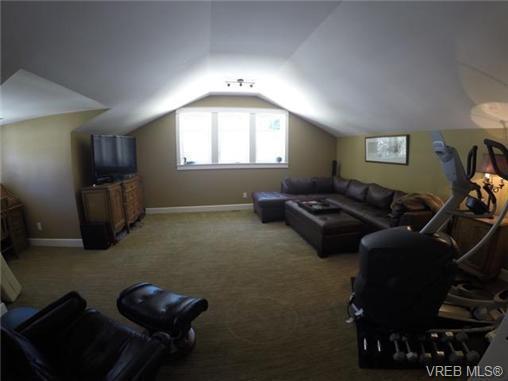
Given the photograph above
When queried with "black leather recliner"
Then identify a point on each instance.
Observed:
(67, 341)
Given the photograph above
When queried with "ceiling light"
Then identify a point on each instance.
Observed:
(240, 82)
(496, 110)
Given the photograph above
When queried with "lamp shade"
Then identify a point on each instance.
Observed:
(487, 167)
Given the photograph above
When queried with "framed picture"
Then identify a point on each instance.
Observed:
(387, 149)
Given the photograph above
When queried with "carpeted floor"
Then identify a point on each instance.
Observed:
(277, 311)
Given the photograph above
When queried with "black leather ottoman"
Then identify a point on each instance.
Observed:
(327, 233)
(157, 309)
(269, 206)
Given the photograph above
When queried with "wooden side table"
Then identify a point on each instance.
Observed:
(488, 262)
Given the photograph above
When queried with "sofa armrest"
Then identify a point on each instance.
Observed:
(416, 220)
(53, 318)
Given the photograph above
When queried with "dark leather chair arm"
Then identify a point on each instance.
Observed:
(69, 342)
(417, 220)
(143, 364)
(53, 318)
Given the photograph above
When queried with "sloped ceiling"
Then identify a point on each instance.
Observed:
(27, 96)
(349, 67)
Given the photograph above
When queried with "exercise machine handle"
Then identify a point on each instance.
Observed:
(471, 162)
(458, 178)
(461, 187)
(491, 144)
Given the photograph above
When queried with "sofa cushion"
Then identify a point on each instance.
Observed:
(345, 203)
(309, 197)
(379, 196)
(340, 185)
(375, 216)
(323, 184)
(298, 185)
(357, 190)
(366, 213)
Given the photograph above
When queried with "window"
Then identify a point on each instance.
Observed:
(270, 138)
(233, 133)
(231, 138)
(195, 138)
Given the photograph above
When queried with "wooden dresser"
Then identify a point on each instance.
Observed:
(119, 203)
(132, 196)
(487, 263)
(14, 236)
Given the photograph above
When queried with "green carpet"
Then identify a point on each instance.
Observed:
(276, 312)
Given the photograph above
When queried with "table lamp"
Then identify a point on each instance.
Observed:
(487, 169)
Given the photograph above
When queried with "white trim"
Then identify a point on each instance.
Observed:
(230, 109)
(503, 275)
(177, 136)
(57, 242)
(215, 138)
(198, 208)
(197, 167)
(252, 138)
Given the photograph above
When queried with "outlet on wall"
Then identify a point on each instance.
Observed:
(39, 226)
(244, 195)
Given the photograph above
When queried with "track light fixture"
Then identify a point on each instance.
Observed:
(240, 83)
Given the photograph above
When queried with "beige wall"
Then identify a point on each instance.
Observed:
(37, 167)
(423, 174)
(311, 151)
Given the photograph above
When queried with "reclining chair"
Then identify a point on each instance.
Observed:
(67, 341)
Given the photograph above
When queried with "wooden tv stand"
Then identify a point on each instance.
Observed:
(119, 203)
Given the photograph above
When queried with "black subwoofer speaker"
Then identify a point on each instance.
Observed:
(334, 168)
(97, 236)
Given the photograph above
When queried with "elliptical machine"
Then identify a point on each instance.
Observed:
(405, 276)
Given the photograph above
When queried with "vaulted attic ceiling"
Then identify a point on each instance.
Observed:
(26, 96)
(350, 67)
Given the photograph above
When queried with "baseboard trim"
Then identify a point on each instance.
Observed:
(57, 242)
(198, 208)
(503, 275)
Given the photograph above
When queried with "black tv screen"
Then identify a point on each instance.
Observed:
(113, 156)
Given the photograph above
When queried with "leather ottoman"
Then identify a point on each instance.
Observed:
(157, 309)
(327, 233)
(269, 206)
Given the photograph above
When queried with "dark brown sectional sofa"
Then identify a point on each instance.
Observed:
(370, 203)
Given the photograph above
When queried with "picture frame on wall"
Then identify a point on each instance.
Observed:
(387, 149)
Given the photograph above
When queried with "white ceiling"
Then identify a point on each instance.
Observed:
(350, 67)
(27, 96)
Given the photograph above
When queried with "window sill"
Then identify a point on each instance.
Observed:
(197, 167)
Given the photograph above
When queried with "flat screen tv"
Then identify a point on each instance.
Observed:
(113, 157)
